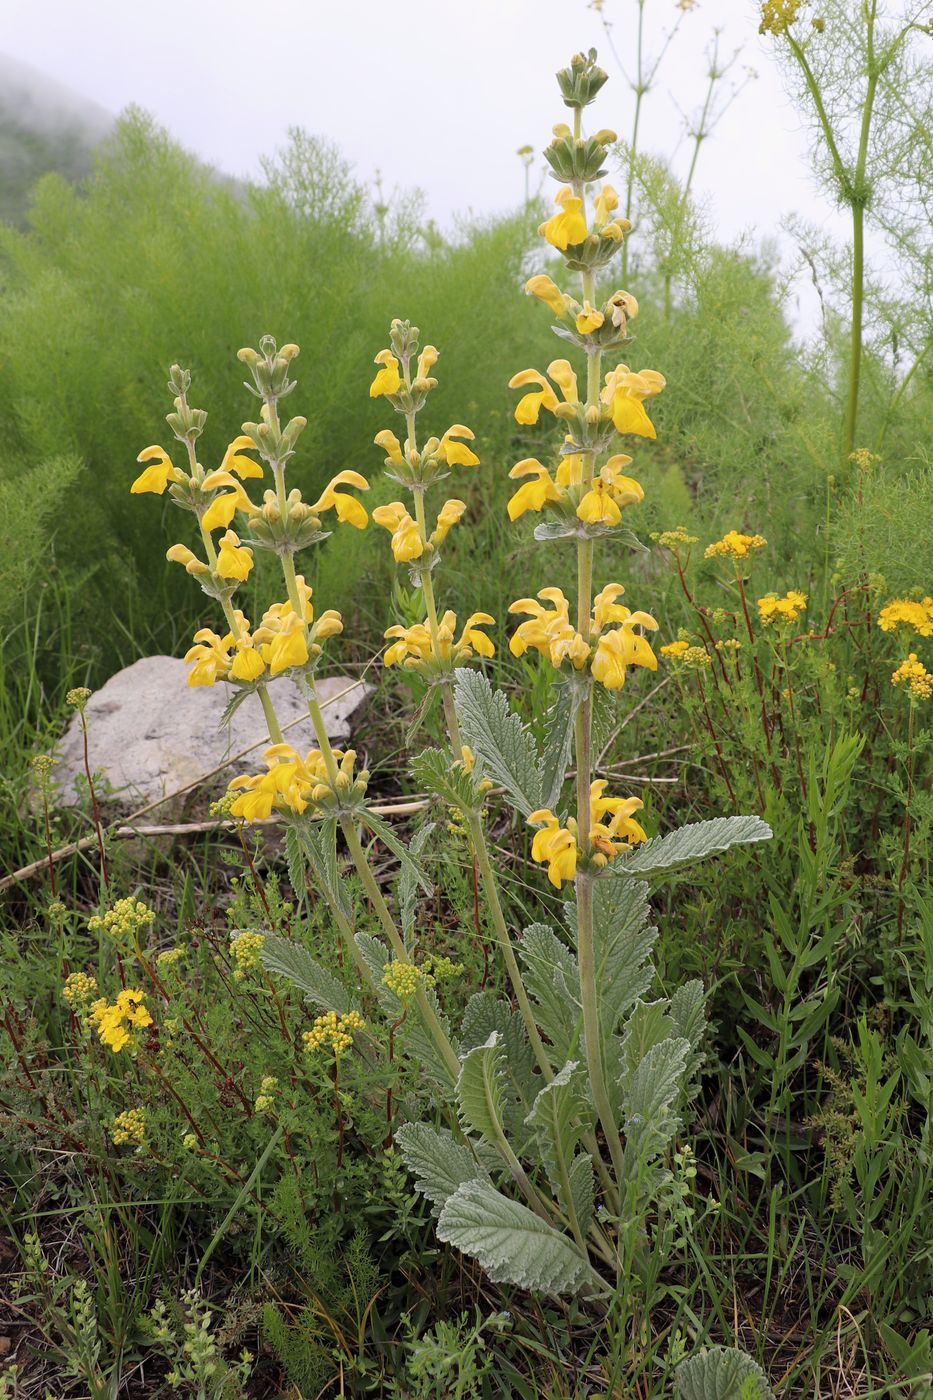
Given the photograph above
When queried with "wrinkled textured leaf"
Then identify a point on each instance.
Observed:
(560, 1116)
(651, 1098)
(721, 1373)
(432, 769)
(398, 848)
(558, 744)
(622, 943)
(481, 1090)
(408, 883)
(553, 983)
(511, 1243)
(437, 1161)
(315, 848)
(286, 958)
(692, 842)
(504, 749)
(484, 1014)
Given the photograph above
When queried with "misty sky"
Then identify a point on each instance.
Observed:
(435, 93)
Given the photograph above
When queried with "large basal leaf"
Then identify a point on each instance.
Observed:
(651, 1101)
(513, 1244)
(553, 982)
(287, 958)
(622, 944)
(721, 1373)
(691, 843)
(481, 1089)
(484, 1014)
(504, 749)
(437, 1161)
(560, 1116)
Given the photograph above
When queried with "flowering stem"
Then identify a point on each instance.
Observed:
(94, 808)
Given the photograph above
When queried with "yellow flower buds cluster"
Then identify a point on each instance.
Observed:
(265, 1099)
(556, 846)
(129, 1127)
(734, 545)
(333, 1032)
(116, 1022)
(246, 951)
(405, 980)
(124, 921)
(914, 676)
(608, 651)
(293, 784)
(772, 609)
(169, 959)
(78, 988)
(415, 649)
(905, 612)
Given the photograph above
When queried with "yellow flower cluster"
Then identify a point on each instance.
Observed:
(600, 504)
(734, 545)
(78, 697)
(129, 1127)
(587, 319)
(78, 989)
(281, 641)
(434, 459)
(772, 609)
(265, 1099)
(692, 658)
(905, 612)
(246, 949)
(414, 648)
(333, 1032)
(675, 650)
(115, 1023)
(674, 539)
(293, 783)
(556, 846)
(864, 459)
(621, 398)
(729, 644)
(124, 921)
(407, 540)
(779, 15)
(405, 980)
(169, 959)
(567, 229)
(915, 676)
(608, 651)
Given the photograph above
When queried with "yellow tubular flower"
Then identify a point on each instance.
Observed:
(548, 291)
(606, 201)
(609, 838)
(247, 664)
(427, 360)
(530, 405)
(222, 508)
(555, 846)
(234, 461)
(288, 648)
(156, 477)
(621, 648)
(624, 393)
(413, 647)
(233, 559)
(589, 319)
(548, 630)
(388, 380)
(606, 609)
(450, 513)
(536, 493)
(569, 226)
(348, 508)
(209, 658)
(391, 447)
(563, 376)
(407, 543)
(457, 454)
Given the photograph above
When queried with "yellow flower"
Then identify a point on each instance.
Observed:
(413, 648)
(407, 543)
(388, 380)
(233, 559)
(222, 508)
(457, 454)
(115, 1023)
(734, 546)
(405, 980)
(209, 658)
(610, 491)
(620, 831)
(915, 676)
(234, 461)
(246, 949)
(333, 1032)
(157, 476)
(771, 608)
(448, 516)
(530, 405)
(606, 609)
(569, 226)
(129, 1127)
(589, 319)
(391, 447)
(548, 630)
(905, 612)
(427, 360)
(621, 648)
(624, 393)
(548, 291)
(78, 989)
(555, 846)
(348, 508)
(247, 664)
(778, 15)
(675, 650)
(536, 493)
(289, 646)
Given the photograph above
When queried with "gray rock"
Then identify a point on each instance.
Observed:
(150, 735)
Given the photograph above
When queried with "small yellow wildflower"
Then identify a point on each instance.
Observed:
(124, 921)
(158, 474)
(129, 1127)
(265, 1099)
(114, 1023)
(695, 658)
(772, 609)
(546, 290)
(169, 959)
(915, 676)
(624, 394)
(333, 1032)
(407, 543)
(729, 644)
(778, 15)
(674, 650)
(413, 647)
(388, 380)
(734, 545)
(862, 457)
(405, 980)
(78, 697)
(905, 612)
(78, 989)
(675, 539)
(567, 228)
(246, 949)
(234, 561)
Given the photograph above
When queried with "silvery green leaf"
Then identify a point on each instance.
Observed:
(504, 749)
(484, 1014)
(560, 1116)
(481, 1090)
(692, 842)
(559, 728)
(688, 1013)
(721, 1373)
(432, 769)
(437, 1161)
(553, 983)
(398, 848)
(583, 1188)
(513, 1244)
(408, 883)
(651, 1102)
(647, 1026)
(289, 959)
(234, 703)
(316, 849)
(622, 943)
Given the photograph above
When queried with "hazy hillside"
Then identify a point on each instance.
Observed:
(43, 126)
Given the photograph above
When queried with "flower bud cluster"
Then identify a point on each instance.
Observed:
(124, 922)
(333, 1032)
(293, 784)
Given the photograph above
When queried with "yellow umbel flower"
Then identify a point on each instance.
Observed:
(734, 545)
(246, 949)
(388, 380)
(348, 508)
(157, 476)
(546, 290)
(772, 609)
(234, 560)
(778, 15)
(413, 647)
(129, 1127)
(124, 921)
(624, 394)
(405, 980)
(674, 650)
(905, 612)
(115, 1023)
(568, 227)
(78, 988)
(333, 1032)
(915, 676)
